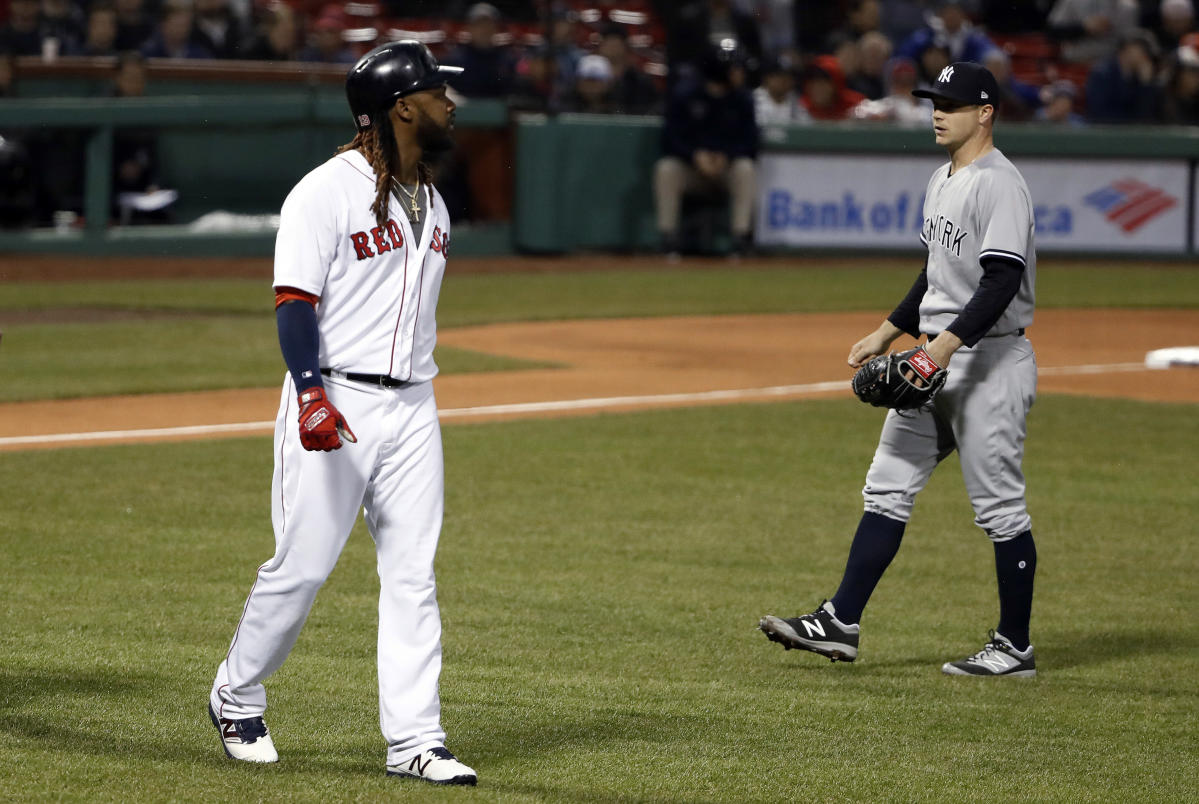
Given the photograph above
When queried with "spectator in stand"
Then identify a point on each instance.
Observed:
(709, 144)
(1180, 104)
(776, 24)
(825, 95)
(218, 28)
(1018, 101)
(134, 25)
(706, 24)
(564, 29)
(592, 91)
(859, 18)
(632, 90)
(22, 35)
(1091, 30)
(1177, 19)
(101, 36)
(776, 102)
(952, 27)
(931, 61)
(61, 27)
(1057, 105)
(899, 106)
(173, 40)
(902, 18)
(1123, 88)
(536, 87)
(874, 50)
(844, 49)
(278, 36)
(134, 150)
(490, 67)
(327, 43)
(862, 17)
(1014, 16)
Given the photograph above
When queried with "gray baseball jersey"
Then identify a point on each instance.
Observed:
(983, 210)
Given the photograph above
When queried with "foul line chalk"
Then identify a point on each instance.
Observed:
(597, 403)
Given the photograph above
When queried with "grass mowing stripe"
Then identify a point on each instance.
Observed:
(751, 287)
(600, 580)
(57, 361)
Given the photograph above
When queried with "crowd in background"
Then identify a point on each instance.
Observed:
(716, 70)
(1066, 61)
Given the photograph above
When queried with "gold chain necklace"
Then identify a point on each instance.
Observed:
(413, 208)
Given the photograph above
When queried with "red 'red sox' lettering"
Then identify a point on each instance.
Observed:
(440, 242)
(397, 236)
(380, 244)
(361, 245)
(362, 240)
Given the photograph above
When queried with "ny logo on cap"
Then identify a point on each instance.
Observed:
(364, 119)
(945, 75)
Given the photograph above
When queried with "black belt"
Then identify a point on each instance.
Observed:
(381, 380)
(932, 335)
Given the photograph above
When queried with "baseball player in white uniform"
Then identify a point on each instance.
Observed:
(976, 291)
(359, 260)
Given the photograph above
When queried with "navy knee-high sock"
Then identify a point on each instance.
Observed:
(1015, 566)
(874, 545)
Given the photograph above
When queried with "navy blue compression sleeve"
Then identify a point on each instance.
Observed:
(907, 315)
(999, 285)
(300, 342)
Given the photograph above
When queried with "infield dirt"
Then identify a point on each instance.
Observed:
(1086, 352)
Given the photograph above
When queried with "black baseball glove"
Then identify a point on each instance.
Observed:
(903, 380)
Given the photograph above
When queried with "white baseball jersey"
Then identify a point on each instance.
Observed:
(378, 285)
(983, 210)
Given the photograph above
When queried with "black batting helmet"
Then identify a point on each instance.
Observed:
(388, 72)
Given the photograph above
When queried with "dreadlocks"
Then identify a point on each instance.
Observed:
(377, 144)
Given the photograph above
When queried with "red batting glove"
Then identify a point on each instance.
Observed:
(322, 427)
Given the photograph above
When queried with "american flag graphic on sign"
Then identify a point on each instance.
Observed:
(1129, 203)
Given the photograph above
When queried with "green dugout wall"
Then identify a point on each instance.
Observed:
(236, 137)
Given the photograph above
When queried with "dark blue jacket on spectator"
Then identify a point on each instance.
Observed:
(156, 49)
(1113, 97)
(974, 48)
(489, 72)
(696, 120)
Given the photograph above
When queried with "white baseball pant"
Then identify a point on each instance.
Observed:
(396, 471)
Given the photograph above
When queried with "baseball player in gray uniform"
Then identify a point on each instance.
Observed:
(976, 292)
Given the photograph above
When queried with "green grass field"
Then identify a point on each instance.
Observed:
(600, 581)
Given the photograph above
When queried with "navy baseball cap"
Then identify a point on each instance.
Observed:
(964, 82)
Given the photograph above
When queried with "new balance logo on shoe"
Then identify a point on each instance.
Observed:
(997, 658)
(436, 765)
(994, 663)
(820, 632)
(247, 739)
(415, 765)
